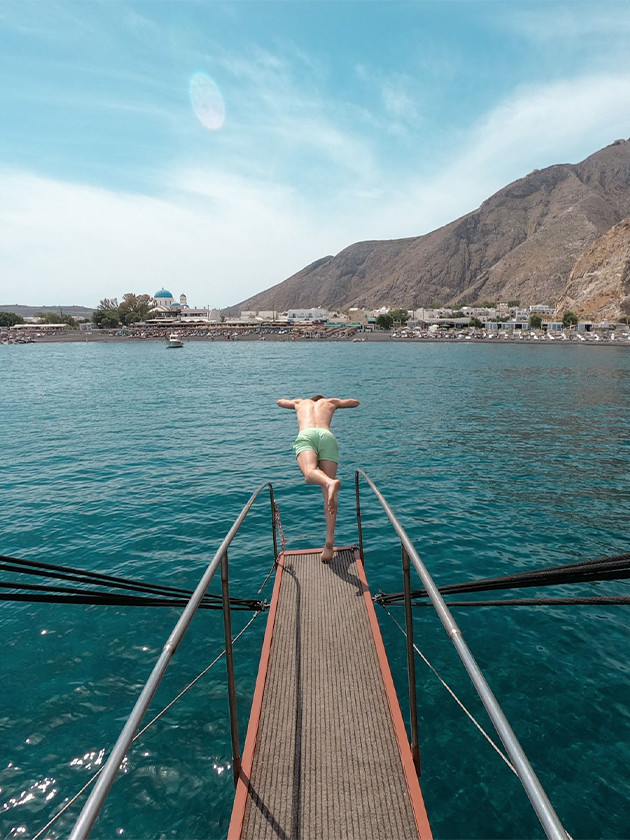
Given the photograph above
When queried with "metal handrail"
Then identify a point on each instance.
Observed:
(542, 806)
(95, 801)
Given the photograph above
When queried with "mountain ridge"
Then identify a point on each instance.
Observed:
(520, 244)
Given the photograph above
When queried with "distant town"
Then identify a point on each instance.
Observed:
(158, 316)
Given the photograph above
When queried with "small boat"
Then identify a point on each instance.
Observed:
(175, 340)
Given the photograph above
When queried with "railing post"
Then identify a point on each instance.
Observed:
(356, 491)
(273, 524)
(411, 661)
(229, 662)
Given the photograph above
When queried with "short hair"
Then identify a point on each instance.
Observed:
(318, 397)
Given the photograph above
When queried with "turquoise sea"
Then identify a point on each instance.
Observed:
(134, 461)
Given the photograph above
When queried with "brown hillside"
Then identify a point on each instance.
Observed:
(599, 285)
(520, 244)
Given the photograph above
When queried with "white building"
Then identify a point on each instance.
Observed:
(542, 309)
(312, 314)
(171, 311)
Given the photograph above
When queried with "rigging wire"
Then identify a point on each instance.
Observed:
(585, 571)
(277, 523)
(145, 594)
(139, 734)
(541, 602)
(454, 696)
(471, 717)
(35, 567)
(187, 688)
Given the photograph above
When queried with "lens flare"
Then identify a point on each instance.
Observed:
(207, 101)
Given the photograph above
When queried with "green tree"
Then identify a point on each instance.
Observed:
(569, 319)
(514, 303)
(384, 322)
(107, 309)
(130, 310)
(134, 308)
(54, 318)
(475, 322)
(109, 321)
(535, 321)
(399, 316)
(10, 319)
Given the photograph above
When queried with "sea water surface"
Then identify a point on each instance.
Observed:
(130, 460)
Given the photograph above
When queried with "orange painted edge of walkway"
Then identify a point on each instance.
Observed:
(413, 785)
(242, 786)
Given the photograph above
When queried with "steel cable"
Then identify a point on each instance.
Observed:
(585, 571)
(91, 781)
(148, 594)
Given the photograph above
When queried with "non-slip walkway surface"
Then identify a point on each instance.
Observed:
(327, 763)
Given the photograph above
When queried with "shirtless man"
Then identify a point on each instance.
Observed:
(317, 453)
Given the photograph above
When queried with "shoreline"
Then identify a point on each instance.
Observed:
(102, 336)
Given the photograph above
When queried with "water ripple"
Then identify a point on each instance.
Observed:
(132, 461)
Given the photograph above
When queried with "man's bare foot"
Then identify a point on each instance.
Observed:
(328, 554)
(332, 491)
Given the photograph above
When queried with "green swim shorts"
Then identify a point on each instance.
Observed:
(320, 441)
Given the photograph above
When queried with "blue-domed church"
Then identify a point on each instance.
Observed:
(164, 301)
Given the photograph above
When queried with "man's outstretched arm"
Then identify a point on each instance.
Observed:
(344, 403)
(287, 403)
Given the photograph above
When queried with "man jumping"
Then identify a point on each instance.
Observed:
(317, 453)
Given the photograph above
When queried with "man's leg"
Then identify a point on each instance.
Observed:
(323, 474)
(330, 509)
(307, 462)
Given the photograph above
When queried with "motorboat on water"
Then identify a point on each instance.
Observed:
(175, 340)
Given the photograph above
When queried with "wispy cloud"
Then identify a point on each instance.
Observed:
(64, 238)
(537, 126)
(280, 98)
(221, 236)
(577, 116)
(397, 100)
(549, 22)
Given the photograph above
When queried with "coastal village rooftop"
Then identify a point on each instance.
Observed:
(169, 313)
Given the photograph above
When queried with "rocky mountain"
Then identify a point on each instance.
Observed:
(599, 285)
(521, 244)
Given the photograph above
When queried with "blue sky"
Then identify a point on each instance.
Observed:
(215, 148)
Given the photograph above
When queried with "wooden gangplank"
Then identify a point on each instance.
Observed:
(326, 754)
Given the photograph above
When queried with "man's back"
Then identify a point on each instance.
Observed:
(316, 414)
